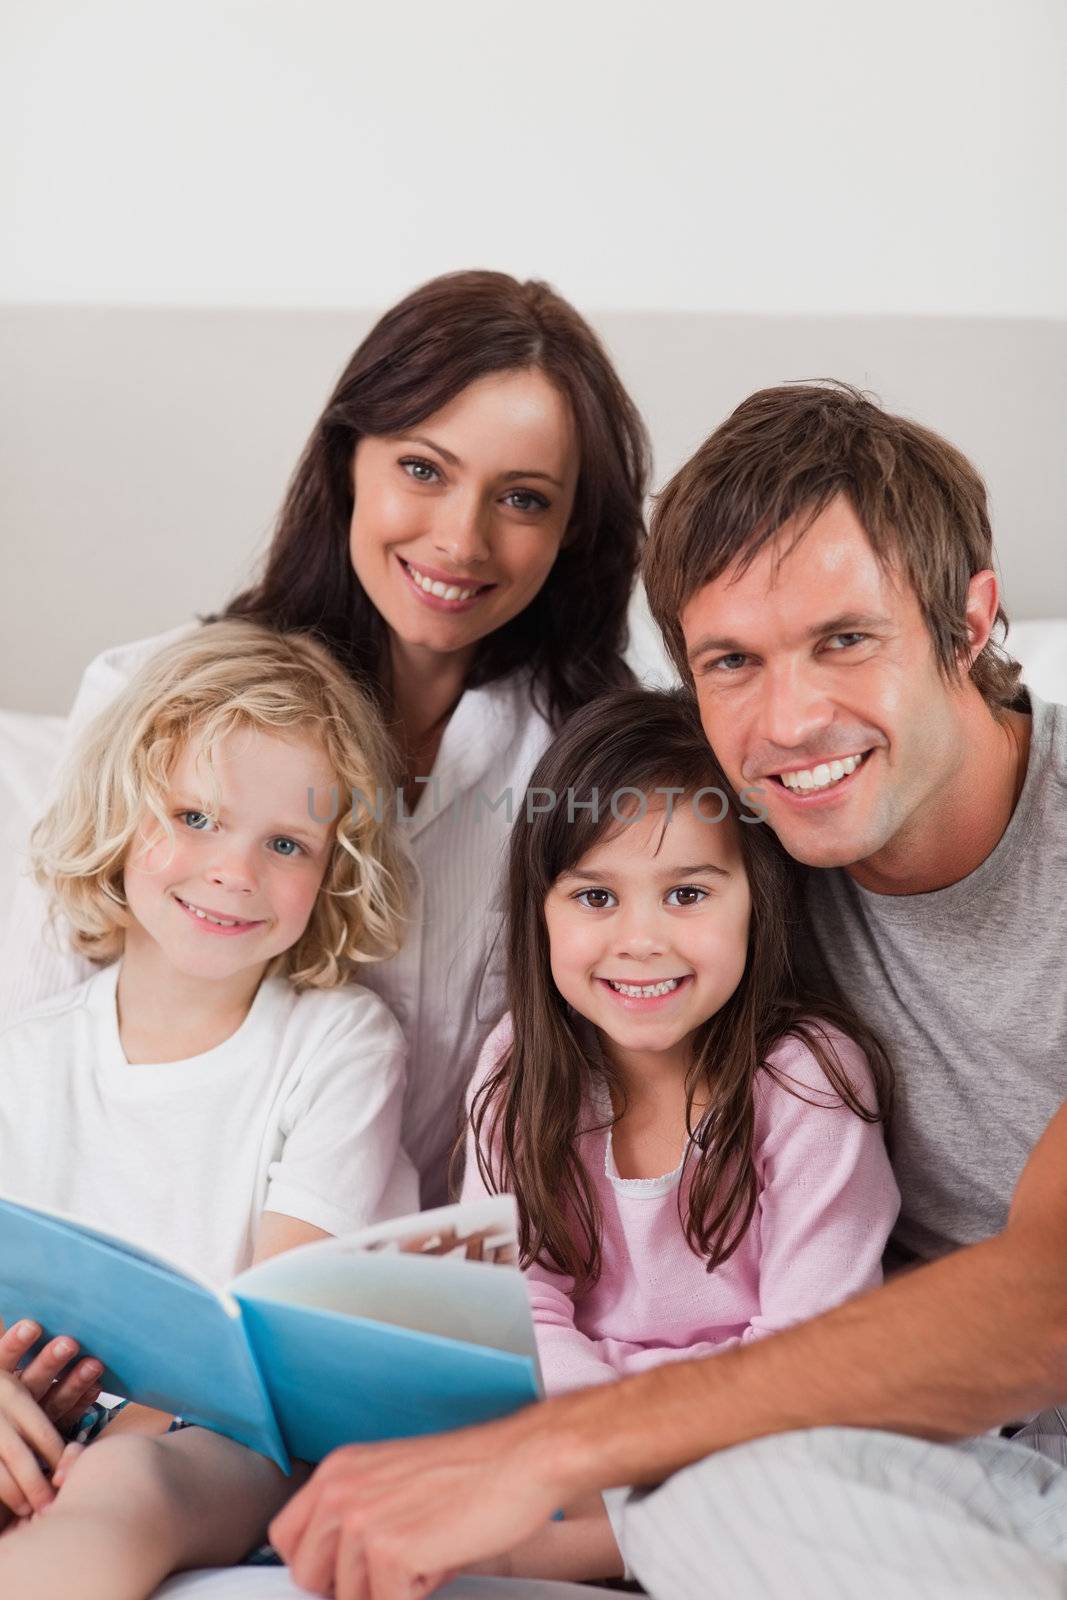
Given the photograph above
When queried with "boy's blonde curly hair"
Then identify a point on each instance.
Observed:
(227, 676)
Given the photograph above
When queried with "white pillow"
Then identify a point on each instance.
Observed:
(29, 750)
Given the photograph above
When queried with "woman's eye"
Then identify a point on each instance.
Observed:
(286, 847)
(195, 819)
(526, 500)
(421, 471)
(595, 899)
(687, 895)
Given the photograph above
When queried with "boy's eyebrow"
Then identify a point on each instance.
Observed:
(705, 869)
(847, 622)
(454, 461)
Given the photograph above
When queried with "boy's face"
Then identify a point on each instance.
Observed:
(238, 885)
(817, 681)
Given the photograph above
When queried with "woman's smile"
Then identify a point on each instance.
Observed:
(442, 591)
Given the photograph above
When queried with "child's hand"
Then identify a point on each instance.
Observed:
(64, 1388)
(27, 1438)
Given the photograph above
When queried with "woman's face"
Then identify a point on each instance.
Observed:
(456, 524)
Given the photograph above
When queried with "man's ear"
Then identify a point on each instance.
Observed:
(980, 612)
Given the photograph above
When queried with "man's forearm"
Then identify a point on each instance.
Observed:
(951, 1349)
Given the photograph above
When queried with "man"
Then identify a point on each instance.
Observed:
(822, 573)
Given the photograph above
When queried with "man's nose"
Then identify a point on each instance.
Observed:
(795, 708)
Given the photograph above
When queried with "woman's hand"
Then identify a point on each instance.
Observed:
(63, 1386)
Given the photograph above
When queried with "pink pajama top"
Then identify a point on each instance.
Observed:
(827, 1201)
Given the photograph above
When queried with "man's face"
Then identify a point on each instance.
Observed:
(817, 682)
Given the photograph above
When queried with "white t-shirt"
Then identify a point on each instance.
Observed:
(446, 986)
(297, 1112)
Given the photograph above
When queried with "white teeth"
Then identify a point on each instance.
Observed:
(434, 586)
(219, 922)
(645, 991)
(821, 776)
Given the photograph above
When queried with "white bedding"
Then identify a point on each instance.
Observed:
(274, 1583)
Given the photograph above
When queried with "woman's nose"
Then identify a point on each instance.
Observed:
(461, 534)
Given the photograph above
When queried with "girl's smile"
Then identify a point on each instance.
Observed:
(648, 995)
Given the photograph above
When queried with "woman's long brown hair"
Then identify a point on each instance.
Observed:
(415, 360)
(529, 1114)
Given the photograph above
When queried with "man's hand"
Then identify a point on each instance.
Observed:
(63, 1386)
(394, 1521)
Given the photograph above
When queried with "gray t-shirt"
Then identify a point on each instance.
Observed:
(967, 988)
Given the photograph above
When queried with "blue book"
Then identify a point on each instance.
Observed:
(411, 1327)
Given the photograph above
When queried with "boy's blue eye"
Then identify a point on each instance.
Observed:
(594, 899)
(691, 895)
(195, 819)
(286, 847)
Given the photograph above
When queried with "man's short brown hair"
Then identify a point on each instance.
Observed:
(787, 452)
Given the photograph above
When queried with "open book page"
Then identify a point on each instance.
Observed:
(450, 1272)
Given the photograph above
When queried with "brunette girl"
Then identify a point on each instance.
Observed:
(695, 1142)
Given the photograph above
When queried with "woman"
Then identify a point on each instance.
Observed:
(462, 531)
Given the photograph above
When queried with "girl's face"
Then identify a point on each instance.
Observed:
(456, 525)
(237, 888)
(648, 932)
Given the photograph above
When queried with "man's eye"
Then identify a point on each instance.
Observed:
(195, 819)
(730, 663)
(526, 500)
(594, 899)
(688, 894)
(845, 641)
(421, 471)
(286, 847)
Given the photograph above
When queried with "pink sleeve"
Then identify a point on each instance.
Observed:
(828, 1198)
(568, 1358)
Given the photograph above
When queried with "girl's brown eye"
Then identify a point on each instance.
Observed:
(594, 899)
(688, 895)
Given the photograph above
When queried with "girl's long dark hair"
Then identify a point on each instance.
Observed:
(529, 1114)
(416, 359)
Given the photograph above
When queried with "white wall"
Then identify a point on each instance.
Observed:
(791, 155)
